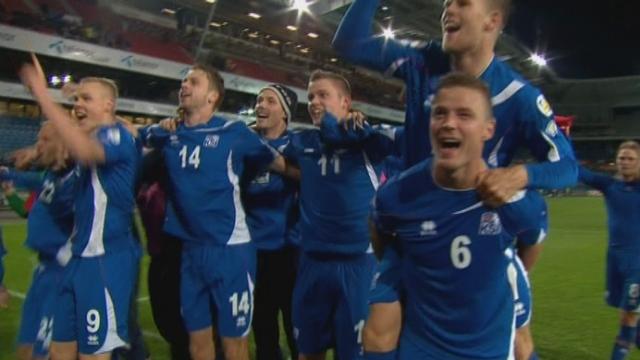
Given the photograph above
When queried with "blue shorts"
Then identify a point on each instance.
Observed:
(92, 306)
(411, 347)
(330, 302)
(524, 301)
(623, 280)
(222, 278)
(39, 305)
(386, 285)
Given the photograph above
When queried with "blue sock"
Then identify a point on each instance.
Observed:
(390, 355)
(625, 338)
(534, 356)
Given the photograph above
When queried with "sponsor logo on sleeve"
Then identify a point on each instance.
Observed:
(543, 106)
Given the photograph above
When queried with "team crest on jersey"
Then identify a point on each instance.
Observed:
(490, 224)
(113, 136)
(544, 106)
(173, 140)
(428, 228)
(211, 141)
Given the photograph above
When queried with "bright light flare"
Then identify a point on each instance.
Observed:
(388, 33)
(538, 59)
(300, 5)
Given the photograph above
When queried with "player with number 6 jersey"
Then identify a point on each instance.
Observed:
(457, 258)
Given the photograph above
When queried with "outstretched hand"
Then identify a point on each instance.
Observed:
(355, 119)
(24, 158)
(32, 76)
(169, 124)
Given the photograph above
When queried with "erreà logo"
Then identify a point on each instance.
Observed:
(428, 228)
(58, 46)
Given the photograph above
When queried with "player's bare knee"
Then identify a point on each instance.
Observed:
(24, 352)
(63, 351)
(103, 356)
(379, 338)
(382, 329)
(629, 318)
(201, 345)
(236, 348)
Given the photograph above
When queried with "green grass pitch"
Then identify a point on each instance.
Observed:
(570, 318)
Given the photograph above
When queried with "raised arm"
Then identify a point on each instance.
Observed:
(355, 42)
(82, 147)
(357, 131)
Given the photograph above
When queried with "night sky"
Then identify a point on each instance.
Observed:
(581, 39)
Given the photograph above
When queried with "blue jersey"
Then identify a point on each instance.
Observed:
(336, 188)
(205, 164)
(50, 220)
(458, 260)
(623, 208)
(104, 198)
(536, 236)
(522, 114)
(271, 203)
(27, 180)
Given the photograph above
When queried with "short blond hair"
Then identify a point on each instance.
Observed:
(330, 75)
(630, 145)
(108, 84)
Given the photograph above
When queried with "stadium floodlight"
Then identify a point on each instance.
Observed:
(55, 80)
(388, 33)
(538, 59)
(312, 35)
(66, 79)
(254, 15)
(210, 1)
(301, 5)
(292, 28)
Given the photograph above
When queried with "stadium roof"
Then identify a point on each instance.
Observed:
(413, 20)
(580, 38)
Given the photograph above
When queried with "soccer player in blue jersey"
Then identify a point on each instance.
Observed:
(622, 197)
(271, 203)
(206, 157)
(94, 297)
(456, 251)
(49, 226)
(337, 184)
(471, 29)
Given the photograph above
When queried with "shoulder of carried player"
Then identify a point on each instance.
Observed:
(413, 182)
(508, 84)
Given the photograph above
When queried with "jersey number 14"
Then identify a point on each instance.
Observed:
(192, 159)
